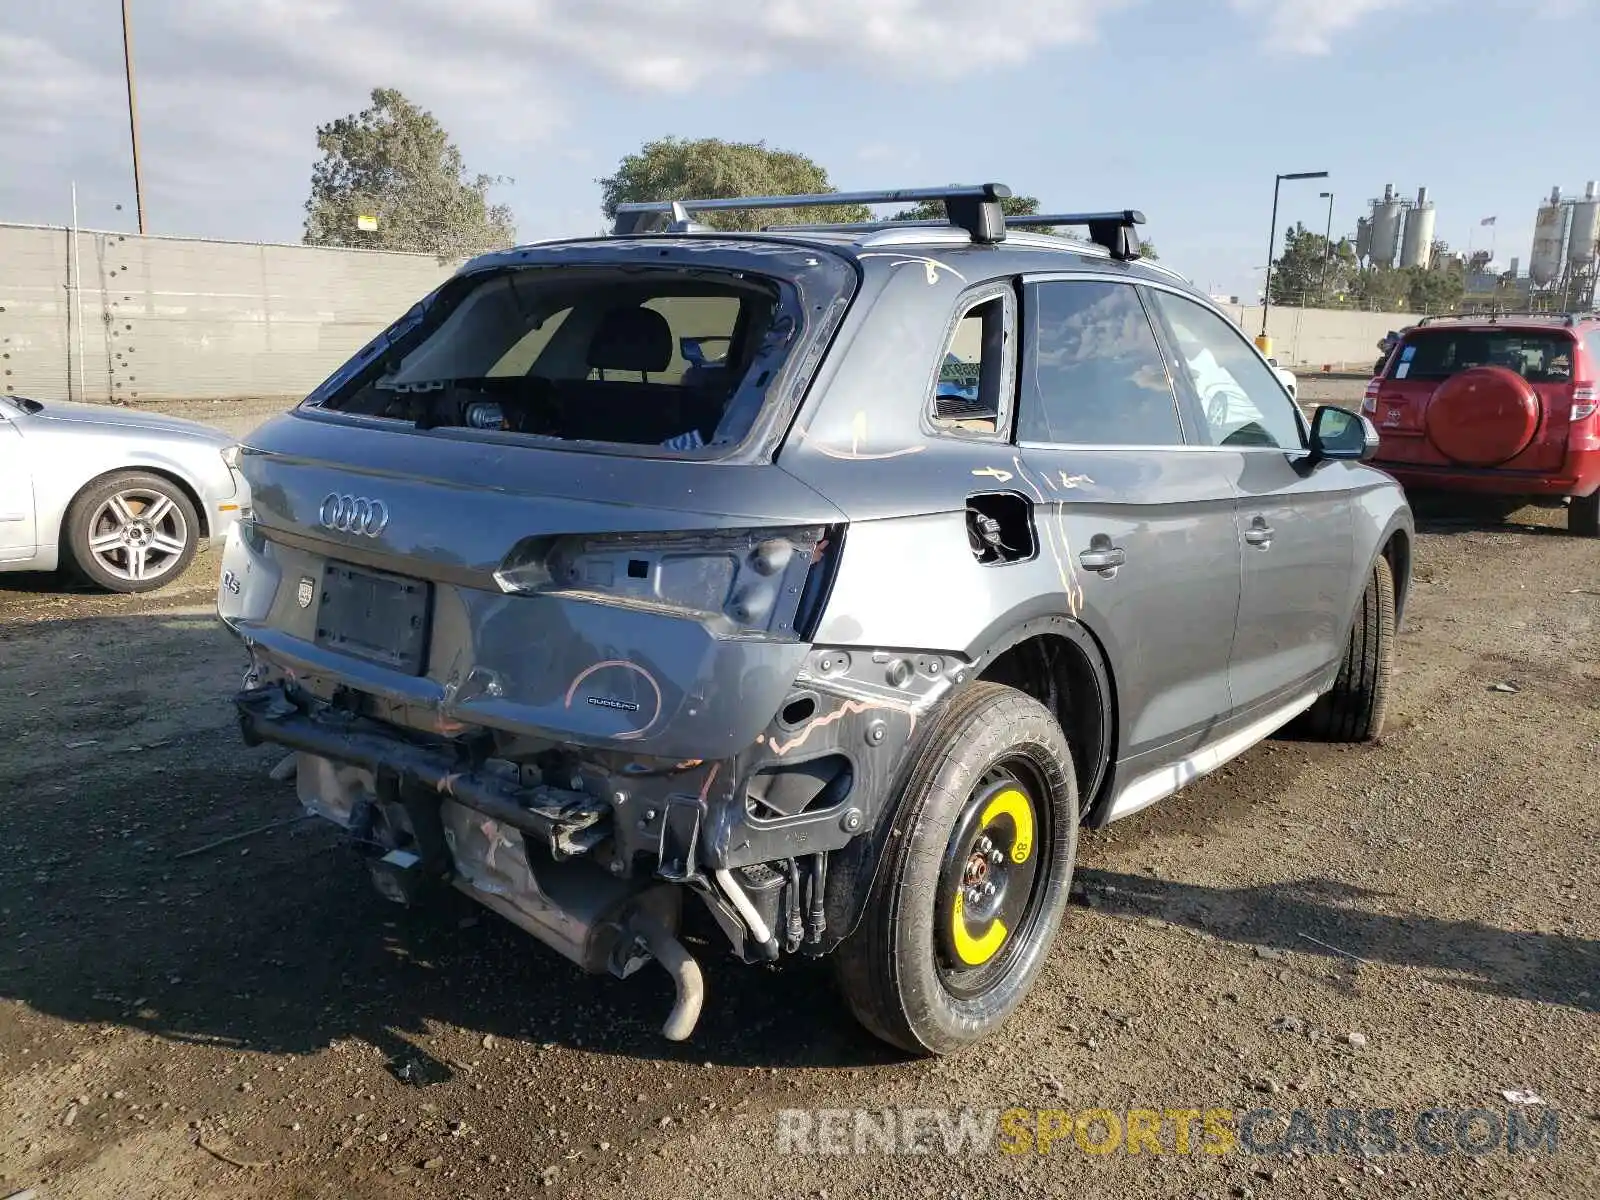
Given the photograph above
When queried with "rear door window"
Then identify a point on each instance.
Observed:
(1094, 374)
(1435, 354)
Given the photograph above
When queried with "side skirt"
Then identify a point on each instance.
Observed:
(1159, 784)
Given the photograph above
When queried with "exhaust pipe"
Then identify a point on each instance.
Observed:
(685, 972)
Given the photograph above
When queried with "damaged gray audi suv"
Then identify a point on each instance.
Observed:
(828, 577)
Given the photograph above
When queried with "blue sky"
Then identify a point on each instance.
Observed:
(1183, 108)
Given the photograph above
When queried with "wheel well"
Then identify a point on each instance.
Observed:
(1398, 551)
(1057, 672)
(176, 481)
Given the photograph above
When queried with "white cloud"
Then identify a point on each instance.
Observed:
(231, 91)
(1309, 26)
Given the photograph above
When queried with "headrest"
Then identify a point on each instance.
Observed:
(632, 339)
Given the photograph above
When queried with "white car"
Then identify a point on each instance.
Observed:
(1288, 379)
(123, 496)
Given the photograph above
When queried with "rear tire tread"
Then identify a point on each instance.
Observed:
(867, 964)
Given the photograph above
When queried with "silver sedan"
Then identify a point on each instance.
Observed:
(125, 497)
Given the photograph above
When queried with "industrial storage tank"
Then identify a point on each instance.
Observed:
(1363, 237)
(1585, 227)
(1549, 241)
(1386, 214)
(1418, 248)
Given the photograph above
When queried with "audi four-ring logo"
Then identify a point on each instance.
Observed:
(354, 514)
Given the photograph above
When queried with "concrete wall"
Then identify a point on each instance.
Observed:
(177, 318)
(1309, 338)
(166, 318)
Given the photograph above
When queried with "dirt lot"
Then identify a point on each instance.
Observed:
(253, 1021)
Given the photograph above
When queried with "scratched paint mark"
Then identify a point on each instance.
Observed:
(849, 707)
(994, 473)
(864, 456)
(930, 266)
(858, 434)
(1072, 481)
(1062, 552)
(629, 735)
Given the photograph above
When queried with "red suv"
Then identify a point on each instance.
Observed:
(1503, 405)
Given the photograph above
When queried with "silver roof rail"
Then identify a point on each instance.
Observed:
(974, 208)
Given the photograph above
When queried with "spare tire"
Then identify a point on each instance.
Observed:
(1483, 416)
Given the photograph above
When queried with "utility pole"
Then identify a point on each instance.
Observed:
(1263, 342)
(1327, 245)
(133, 110)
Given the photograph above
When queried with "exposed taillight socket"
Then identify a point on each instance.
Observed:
(752, 581)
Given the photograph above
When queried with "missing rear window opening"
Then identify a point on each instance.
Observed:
(639, 358)
(972, 374)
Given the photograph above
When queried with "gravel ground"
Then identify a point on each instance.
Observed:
(1401, 927)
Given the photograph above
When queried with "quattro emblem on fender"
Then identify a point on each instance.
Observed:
(353, 514)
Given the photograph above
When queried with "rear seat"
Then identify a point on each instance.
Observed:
(638, 341)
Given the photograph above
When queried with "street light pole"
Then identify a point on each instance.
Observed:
(133, 110)
(1327, 246)
(1272, 242)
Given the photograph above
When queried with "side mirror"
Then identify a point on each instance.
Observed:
(1340, 433)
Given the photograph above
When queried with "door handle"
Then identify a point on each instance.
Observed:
(1259, 534)
(1107, 558)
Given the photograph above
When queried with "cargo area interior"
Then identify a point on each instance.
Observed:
(650, 358)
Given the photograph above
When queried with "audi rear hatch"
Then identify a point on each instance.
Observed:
(545, 501)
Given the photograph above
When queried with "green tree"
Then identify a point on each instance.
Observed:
(395, 162)
(709, 168)
(1382, 289)
(1439, 288)
(1311, 270)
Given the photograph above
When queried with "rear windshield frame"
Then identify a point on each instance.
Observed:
(1438, 333)
(813, 287)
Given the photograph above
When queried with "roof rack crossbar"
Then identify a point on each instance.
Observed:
(975, 208)
(1113, 230)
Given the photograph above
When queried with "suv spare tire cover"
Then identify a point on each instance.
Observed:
(1483, 416)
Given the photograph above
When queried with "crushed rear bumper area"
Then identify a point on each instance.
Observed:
(571, 823)
(424, 815)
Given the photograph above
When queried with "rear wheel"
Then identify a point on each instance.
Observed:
(974, 880)
(1583, 515)
(132, 531)
(1354, 710)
